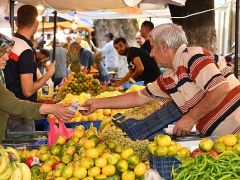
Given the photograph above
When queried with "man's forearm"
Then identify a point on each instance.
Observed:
(39, 83)
(121, 102)
(125, 78)
(209, 102)
(136, 74)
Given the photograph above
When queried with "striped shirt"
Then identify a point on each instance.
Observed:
(196, 71)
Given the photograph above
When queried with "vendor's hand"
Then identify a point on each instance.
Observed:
(116, 84)
(50, 68)
(183, 126)
(90, 105)
(62, 111)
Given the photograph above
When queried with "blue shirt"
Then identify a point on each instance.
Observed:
(86, 57)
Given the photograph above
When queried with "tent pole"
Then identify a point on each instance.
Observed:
(43, 21)
(54, 35)
(11, 15)
(236, 39)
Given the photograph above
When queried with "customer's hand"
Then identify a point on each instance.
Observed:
(62, 111)
(50, 68)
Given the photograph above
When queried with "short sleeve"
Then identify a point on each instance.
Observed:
(205, 73)
(26, 62)
(155, 90)
(133, 53)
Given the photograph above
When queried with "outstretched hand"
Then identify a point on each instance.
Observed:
(62, 111)
(90, 105)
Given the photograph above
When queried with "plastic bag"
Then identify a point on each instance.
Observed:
(152, 174)
(56, 131)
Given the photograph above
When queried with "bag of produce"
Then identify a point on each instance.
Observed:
(56, 131)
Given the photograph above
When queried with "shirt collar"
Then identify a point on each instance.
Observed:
(24, 38)
(178, 55)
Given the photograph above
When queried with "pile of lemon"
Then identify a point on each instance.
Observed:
(84, 156)
(100, 114)
(163, 146)
(228, 142)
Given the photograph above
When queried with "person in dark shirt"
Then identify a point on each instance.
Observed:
(21, 70)
(141, 66)
(146, 28)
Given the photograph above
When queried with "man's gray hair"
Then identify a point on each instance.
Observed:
(171, 33)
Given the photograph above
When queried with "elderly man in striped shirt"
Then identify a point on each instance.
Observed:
(198, 81)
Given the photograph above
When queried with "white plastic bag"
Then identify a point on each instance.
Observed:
(152, 174)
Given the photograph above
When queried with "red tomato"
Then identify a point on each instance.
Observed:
(55, 164)
(29, 161)
(196, 152)
(213, 153)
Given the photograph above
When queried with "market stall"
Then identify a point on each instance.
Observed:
(109, 144)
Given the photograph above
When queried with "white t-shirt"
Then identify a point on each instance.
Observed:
(110, 54)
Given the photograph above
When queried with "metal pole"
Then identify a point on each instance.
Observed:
(54, 35)
(43, 21)
(236, 39)
(11, 15)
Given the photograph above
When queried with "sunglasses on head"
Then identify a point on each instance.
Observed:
(6, 44)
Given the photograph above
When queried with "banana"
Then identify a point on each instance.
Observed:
(104, 123)
(16, 172)
(14, 151)
(7, 173)
(4, 161)
(106, 128)
(26, 173)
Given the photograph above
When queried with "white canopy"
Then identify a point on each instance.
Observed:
(94, 5)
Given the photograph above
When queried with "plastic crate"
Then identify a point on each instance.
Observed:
(24, 144)
(86, 124)
(142, 129)
(164, 165)
(20, 135)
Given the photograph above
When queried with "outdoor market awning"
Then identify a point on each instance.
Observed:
(65, 25)
(95, 5)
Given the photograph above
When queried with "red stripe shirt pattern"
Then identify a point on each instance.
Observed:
(196, 71)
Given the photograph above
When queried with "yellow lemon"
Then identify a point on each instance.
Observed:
(128, 175)
(94, 171)
(163, 140)
(91, 153)
(140, 169)
(100, 162)
(89, 144)
(206, 144)
(109, 170)
(107, 112)
(101, 177)
(230, 140)
(126, 153)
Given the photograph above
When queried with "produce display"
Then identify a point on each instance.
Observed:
(204, 166)
(134, 88)
(78, 82)
(106, 114)
(163, 146)
(100, 114)
(141, 112)
(118, 139)
(212, 160)
(84, 156)
(11, 167)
